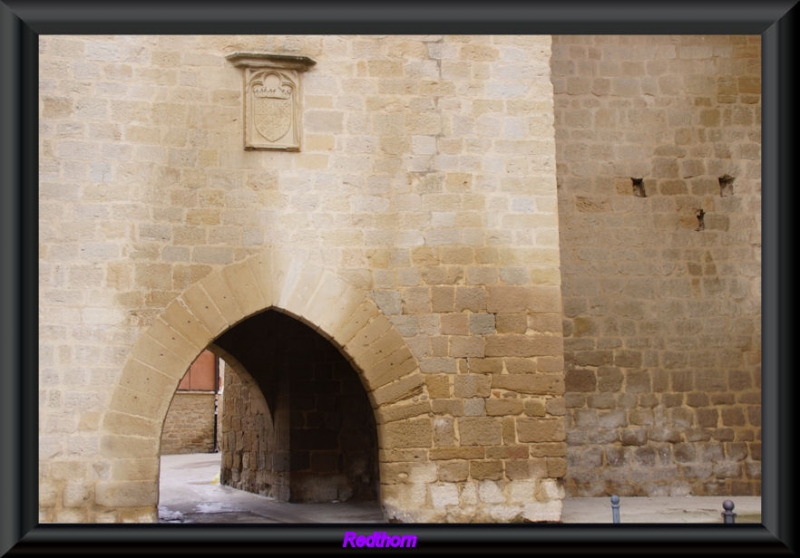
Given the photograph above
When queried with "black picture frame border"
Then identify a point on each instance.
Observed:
(21, 22)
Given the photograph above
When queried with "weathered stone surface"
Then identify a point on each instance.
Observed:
(639, 335)
(479, 431)
(461, 224)
(541, 430)
(412, 433)
(127, 493)
(189, 425)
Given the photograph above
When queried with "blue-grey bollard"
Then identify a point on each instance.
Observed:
(728, 516)
(615, 508)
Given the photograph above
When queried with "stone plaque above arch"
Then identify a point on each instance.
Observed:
(272, 99)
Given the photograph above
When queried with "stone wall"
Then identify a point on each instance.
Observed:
(417, 228)
(246, 434)
(661, 315)
(189, 426)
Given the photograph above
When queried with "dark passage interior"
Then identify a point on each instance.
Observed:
(296, 421)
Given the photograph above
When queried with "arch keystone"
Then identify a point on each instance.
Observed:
(333, 303)
(285, 270)
(295, 282)
(330, 289)
(307, 284)
(261, 267)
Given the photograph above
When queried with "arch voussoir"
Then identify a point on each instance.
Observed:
(218, 291)
(301, 281)
(350, 325)
(181, 319)
(200, 304)
(146, 379)
(117, 422)
(284, 268)
(361, 346)
(154, 354)
(396, 365)
(168, 342)
(333, 304)
(244, 287)
(401, 411)
(130, 402)
(404, 388)
(341, 312)
(379, 349)
(307, 285)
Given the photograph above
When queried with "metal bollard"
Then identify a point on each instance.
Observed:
(615, 508)
(728, 516)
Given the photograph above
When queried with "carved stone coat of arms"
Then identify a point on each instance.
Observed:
(272, 111)
(273, 94)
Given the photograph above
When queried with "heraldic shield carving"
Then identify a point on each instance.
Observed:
(272, 97)
(272, 105)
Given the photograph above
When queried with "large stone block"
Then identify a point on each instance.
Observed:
(474, 431)
(535, 384)
(541, 430)
(486, 470)
(411, 433)
(523, 346)
(200, 304)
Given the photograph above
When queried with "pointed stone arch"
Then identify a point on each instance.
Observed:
(338, 310)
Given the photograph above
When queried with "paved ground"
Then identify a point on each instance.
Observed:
(689, 509)
(191, 493)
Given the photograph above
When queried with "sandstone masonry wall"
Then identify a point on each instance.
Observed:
(661, 320)
(189, 426)
(426, 180)
(247, 435)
